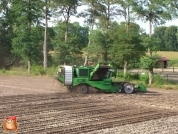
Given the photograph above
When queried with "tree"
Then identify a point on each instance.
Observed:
(106, 12)
(159, 33)
(45, 45)
(126, 47)
(126, 12)
(6, 33)
(27, 15)
(97, 46)
(170, 38)
(90, 14)
(153, 12)
(172, 7)
(148, 62)
(67, 9)
(77, 40)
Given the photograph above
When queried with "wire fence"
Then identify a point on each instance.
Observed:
(170, 77)
(170, 74)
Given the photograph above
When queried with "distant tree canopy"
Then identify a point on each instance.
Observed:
(70, 51)
(24, 31)
(168, 38)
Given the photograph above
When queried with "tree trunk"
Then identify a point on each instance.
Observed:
(67, 25)
(125, 68)
(66, 32)
(127, 19)
(29, 33)
(91, 29)
(106, 56)
(150, 76)
(150, 53)
(150, 33)
(29, 66)
(45, 39)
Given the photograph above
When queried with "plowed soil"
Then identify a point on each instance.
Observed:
(43, 106)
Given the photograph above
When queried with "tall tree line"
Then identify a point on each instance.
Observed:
(168, 38)
(25, 33)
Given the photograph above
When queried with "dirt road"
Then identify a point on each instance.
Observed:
(42, 106)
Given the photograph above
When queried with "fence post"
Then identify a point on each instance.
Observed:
(173, 69)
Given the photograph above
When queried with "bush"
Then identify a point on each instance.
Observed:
(51, 70)
(144, 78)
(135, 76)
(3, 70)
(120, 74)
(129, 76)
(158, 80)
(37, 70)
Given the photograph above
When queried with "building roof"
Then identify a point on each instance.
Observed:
(163, 59)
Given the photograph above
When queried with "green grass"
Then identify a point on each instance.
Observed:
(168, 54)
(35, 71)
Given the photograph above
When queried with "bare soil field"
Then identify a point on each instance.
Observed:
(43, 106)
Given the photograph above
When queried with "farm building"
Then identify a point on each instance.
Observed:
(163, 61)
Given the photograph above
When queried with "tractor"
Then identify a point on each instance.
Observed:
(99, 77)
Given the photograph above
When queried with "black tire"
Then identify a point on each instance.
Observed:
(128, 88)
(83, 89)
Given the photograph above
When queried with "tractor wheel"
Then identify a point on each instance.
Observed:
(84, 89)
(128, 88)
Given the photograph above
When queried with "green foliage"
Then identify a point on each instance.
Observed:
(148, 62)
(51, 71)
(159, 33)
(144, 78)
(37, 70)
(3, 70)
(126, 46)
(158, 80)
(171, 38)
(96, 48)
(151, 43)
(173, 63)
(71, 51)
(27, 40)
(120, 74)
(6, 33)
(129, 76)
(154, 11)
(29, 46)
(70, 7)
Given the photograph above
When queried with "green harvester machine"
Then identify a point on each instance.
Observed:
(81, 78)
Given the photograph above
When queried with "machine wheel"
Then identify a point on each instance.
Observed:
(128, 88)
(84, 89)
